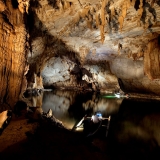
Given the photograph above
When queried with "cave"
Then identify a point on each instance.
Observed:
(72, 53)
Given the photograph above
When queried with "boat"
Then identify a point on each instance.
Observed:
(119, 95)
(116, 95)
(91, 127)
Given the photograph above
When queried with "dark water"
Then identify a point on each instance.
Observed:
(134, 131)
(70, 107)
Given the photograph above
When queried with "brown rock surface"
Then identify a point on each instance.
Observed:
(3, 118)
(114, 36)
(12, 53)
(100, 32)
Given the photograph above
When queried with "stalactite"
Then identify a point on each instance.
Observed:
(84, 12)
(102, 33)
(125, 6)
(23, 5)
(112, 12)
(140, 11)
(133, 2)
(66, 5)
(89, 21)
(103, 21)
(97, 19)
(152, 3)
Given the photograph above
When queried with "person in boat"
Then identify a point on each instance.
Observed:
(90, 124)
(96, 118)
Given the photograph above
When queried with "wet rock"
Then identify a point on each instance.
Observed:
(5, 118)
(50, 119)
(49, 113)
(13, 37)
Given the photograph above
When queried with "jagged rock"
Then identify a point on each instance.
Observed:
(49, 113)
(98, 32)
(52, 120)
(88, 33)
(5, 116)
(23, 5)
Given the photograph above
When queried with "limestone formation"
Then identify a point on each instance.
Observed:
(2, 6)
(4, 118)
(12, 53)
(49, 117)
(23, 5)
(115, 40)
(98, 32)
(152, 59)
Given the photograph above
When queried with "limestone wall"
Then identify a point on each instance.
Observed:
(12, 52)
(122, 33)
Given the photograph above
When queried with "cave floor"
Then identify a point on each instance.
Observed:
(25, 139)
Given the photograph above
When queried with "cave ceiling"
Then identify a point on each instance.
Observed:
(75, 43)
(102, 27)
(120, 34)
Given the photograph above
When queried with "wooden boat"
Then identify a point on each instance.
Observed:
(90, 128)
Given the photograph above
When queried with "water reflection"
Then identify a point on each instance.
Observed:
(135, 123)
(134, 131)
(59, 102)
(33, 99)
(105, 106)
(70, 107)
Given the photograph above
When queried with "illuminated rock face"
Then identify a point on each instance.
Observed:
(104, 40)
(132, 77)
(56, 70)
(12, 53)
(119, 34)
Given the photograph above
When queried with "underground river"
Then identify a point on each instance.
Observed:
(133, 131)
